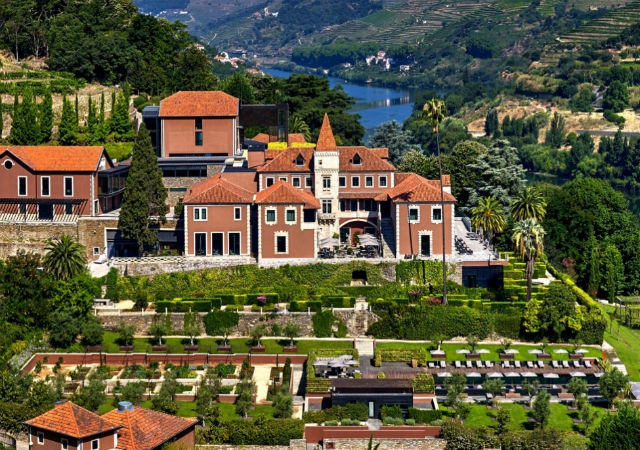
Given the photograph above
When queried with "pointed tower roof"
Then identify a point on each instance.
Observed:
(326, 141)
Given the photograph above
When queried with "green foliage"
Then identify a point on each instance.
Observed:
(92, 332)
(322, 385)
(63, 328)
(165, 400)
(119, 121)
(304, 306)
(617, 431)
(582, 101)
(394, 411)
(557, 133)
(492, 123)
(217, 321)
(90, 396)
(125, 333)
(283, 406)
(424, 416)
(68, 126)
(390, 135)
(143, 203)
(541, 408)
(323, 323)
(260, 431)
(613, 274)
(423, 383)
(24, 127)
(353, 411)
(400, 355)
(183, 305)
(612, 383)
(616, 97)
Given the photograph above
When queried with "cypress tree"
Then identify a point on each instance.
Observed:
(101, 117)
(120, 116)
(557, 133)
(45, 119)
(68, 127)
(1, 117)
(143, 203)
(91, 115)
(113, 101)
(25, 130)
(492, 122)
(77, 109)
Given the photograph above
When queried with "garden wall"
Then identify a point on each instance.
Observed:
(31, 237)
(407, 443)
(357, 438)
(149, 267)
(294, 444)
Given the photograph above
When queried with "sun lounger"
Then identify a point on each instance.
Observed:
(541, 364)
(517, 364)
(530, 364)
(489, 364)
(469, 365)
(443, 365)
(565, 364)
(555, 364)
(587, 364)
(458, 365)
(480, 364)
(506, 365)
(577, 364)
(432, 365)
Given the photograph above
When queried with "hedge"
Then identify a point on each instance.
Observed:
(425, 416)
(317, 385)
(400, 355)
(329, 301)
(351, 411)
(304, 306)
(267, 432)
(252, 299)
(233, 299)
(423, 383)
(183, 305)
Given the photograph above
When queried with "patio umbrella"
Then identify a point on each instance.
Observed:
(494, 375)
(512, 375)
(321, 363)
(345, 357)
(560, 350)
(437, 352)
(368, 239)
(582, 350)
(511, 351)
(329, 242)
(482, 350)
(351, 362)
(462, 351)
(444, 375)
(335, 361)
(528, 375)
(473, 375)
(338, 365)
(577, 374)
(551, 375)
(598, 375)
(535, 352)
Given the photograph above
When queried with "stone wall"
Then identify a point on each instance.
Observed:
(91, 233)
(388, 444)
(357, 322)
(294, 444)
(185, 183)
(150, 267)
(31, 237)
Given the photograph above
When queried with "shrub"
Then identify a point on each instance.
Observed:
(425, 416)
(185, 305)
(400, 355)
(216, 321)
(381, 375)
(423, 383)
(323, 322)
(357, 412)
(331, 423)
(410, 422)
(329, 301)
(304, 306)
(263, 431)
(394, 411)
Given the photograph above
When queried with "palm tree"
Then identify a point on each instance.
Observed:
(297, 125)
(489, 215)
(527, 240)
(530, 204)
(434, 111)
(65, 258)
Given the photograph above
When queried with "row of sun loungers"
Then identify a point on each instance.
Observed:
(512, 364)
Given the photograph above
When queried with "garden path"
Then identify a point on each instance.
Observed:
(261, 375)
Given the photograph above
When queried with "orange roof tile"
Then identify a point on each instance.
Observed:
(217, 190)
(285, 160)
(71, 420)
(283, 193)
(446, 180)
(326, 141)
(144, 429)
(270, 154)
(58, 158)
(415, 188)
(293, 137)
(199, 104)
(370, 161)
(380, 152)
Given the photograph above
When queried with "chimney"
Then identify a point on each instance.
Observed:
(125, 406)
(446, 183)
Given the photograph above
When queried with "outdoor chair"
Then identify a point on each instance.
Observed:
(541, 364)
(577, 364)
(565, 364)
(587, 364)
(489, 364)
(506, 365)
(432, 365)
(517, 364)
(480, 364)
(555, 364)
(530, 364)
(469, 365)
(443, 365)
(458, 365)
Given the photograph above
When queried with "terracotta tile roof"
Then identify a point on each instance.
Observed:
(400, 177)
(58, 158)
(71, 420)
(270, 154)
(217, 190)
(199, 104)
(293, 137)
(326, 141)
(380, 152)
(283, 193)
(285, 160)
(144, 429)
(356, 195)
(415, 188)
(371, 162)
(446, 180)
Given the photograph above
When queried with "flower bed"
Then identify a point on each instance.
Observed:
(400, 355)
(318, 385)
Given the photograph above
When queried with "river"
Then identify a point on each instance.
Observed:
(376, 105)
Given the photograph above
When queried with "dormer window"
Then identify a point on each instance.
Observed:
(299, 161)
(356, 161)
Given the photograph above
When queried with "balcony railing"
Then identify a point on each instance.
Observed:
(326, 216)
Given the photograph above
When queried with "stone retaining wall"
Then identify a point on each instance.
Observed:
(31, 237)
(294, 444)
(148, 267)
(388, 444)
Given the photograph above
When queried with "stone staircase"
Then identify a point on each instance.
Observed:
(364, 347)
(388, 238)
(298, 385)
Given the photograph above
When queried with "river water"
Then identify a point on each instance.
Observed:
(376, 105)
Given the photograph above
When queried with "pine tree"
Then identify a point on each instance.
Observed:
(68, 126)
(45, 118)
(113, 102)
(120, 116)
(101, 116)
(143, 204)
(24, 129)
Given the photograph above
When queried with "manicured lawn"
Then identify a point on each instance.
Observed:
(210, 345)
(228, 411)
(627, 345)
(561, 418)
(186, 409)
(494, 350)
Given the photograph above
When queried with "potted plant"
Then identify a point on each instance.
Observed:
(257, 333)
(292, 331)
(193, 329)
(544, 354)
(225, 347)
(575, 345)
(438, 339)
(125, 334)
(92, 334)
(472, 341)
(158, 331)
(506, 343)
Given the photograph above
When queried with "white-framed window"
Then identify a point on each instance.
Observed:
(308, 182)
(96, 251)
(326, 206)
(68, 186)
(200, 214)
(342, 182)
(40, 436)
(45, 186)
(326, 183)
(290, 216)
(382, 180)
(8, 164)
(355, 181)
(270, 181)
(354, 205)
(282, 178)
(237, 213)
(64, 444)
(281, 241)
(22, 186)
(295, 182)
(436, 214)
(96, 205)
(271, 216)
(368, 181)
(414, 214)
(95, 444)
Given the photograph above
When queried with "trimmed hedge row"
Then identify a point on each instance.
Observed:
(351, 411)
(247, 299)
(267, 432)
(423, 383)
(304, 306)
(317, 385)
(400, 355)
(329, 301)
(425, 416)
(185, 305)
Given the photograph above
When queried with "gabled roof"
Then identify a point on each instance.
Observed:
(71, 420)
(217, 190)
(371, 162)
(416, 189)
(199, 104)
(144, 429)
(293, 137)
(326, 141)
(380, 152)
(285, 160)
(58, 158)
(282, 193)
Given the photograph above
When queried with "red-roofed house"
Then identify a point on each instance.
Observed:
(69, 427)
